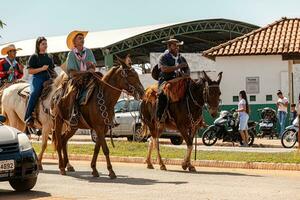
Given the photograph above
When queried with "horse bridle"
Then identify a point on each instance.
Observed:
(124, 74)
(206, 93)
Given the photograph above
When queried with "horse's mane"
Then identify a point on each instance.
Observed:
(110, 73)
(59, 79)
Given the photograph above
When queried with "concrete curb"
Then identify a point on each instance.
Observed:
(197, 163)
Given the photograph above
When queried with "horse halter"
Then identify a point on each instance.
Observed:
(124, 74)
(206, 92)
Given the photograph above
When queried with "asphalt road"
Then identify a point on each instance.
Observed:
(136, 182)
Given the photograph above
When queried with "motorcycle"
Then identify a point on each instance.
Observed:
(226, 127)
(290, 136)
(267, 123)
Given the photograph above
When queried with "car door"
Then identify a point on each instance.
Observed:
(131, 116)
(120, 109)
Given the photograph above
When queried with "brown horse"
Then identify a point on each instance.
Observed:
(98, 113)
(184, 115)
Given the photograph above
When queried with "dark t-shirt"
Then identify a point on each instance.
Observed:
(166, 59)
(39, 60)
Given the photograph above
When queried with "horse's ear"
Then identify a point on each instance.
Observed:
(219, 77)
(206, 77)
(122, 62)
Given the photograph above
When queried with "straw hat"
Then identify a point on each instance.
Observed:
(8, 48)
(72, 35)
(173, 40)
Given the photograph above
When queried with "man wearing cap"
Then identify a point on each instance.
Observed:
(171, 65)
(10, 69)
(79, 59)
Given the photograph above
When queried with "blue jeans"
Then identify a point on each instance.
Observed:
(36, 88)
(281, 118)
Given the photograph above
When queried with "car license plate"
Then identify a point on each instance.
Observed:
(7, 165)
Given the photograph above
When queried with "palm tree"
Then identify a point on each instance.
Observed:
(1, 25)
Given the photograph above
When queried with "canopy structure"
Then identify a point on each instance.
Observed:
(197, 35)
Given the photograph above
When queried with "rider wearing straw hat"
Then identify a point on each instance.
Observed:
(10, 69)
(171, 65)
(79, 59)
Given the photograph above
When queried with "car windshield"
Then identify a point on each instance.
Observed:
(120, 106)
(134, 105)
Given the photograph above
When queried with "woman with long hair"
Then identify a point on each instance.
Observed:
(41, 67)
(243, 110)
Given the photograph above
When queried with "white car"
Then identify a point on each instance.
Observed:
(127, 116)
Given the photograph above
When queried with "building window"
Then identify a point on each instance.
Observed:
(235, 98)
(252, 98)
(269, 97)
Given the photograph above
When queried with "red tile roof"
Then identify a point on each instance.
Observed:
(280, 37)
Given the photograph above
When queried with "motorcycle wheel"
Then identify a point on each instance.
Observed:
(289, 138)
(209, 137)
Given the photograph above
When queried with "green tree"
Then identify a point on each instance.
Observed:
(2, 24)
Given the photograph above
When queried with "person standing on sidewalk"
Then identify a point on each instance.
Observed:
(282, 105)
(243, 110)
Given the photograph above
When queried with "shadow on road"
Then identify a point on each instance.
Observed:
(87, 176)
(12, 195)
(214, 173)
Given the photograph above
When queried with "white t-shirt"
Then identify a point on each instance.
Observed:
(281, 104)
(241, 105)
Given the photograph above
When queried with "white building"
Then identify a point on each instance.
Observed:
(260, 62)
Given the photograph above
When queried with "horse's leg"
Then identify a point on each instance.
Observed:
(148, 159)
(105, 150)
(45, 135)
(58, 143)
(186, 164)
(159, 159)
(65, 138)
(96, 152)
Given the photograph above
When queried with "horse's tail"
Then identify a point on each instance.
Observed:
(143, 120)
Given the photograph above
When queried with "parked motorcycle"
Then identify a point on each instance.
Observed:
(290, 136)
(226, 127)
(268, 123)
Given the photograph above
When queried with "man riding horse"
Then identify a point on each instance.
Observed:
(10, 69)
(79, 59)
(171, 65)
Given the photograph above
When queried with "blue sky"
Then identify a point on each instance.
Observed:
(32, 18)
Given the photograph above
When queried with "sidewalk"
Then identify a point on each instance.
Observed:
(258, 142)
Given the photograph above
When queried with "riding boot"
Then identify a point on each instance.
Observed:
(162, 101)
(68, 101)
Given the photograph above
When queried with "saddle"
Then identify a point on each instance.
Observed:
(47, 87)
(174, 89)
(77, 91)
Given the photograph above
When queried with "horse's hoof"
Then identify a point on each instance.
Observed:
(70, 169)
(40, 167)
(112, 175)
(184, 166)
(192, 169)
(95, 174)
(150, 166)
(63, 172)
(163, 167)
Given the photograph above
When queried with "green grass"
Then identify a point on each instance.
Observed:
(132, 149)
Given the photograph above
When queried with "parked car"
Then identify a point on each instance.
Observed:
(18, 160)
(127, 116)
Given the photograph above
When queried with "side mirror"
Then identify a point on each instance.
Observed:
(2, 118)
